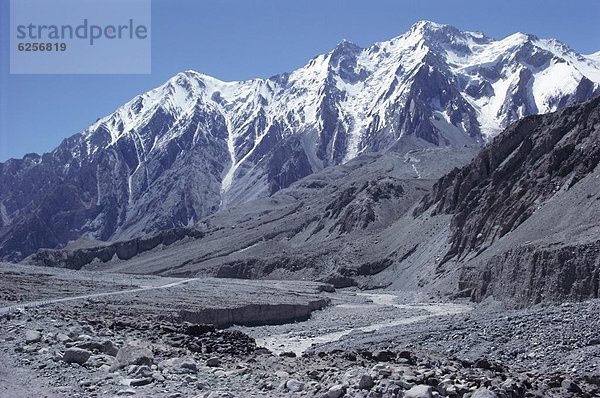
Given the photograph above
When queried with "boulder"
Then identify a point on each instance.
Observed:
(336, 391)
(76, 355)
(141, 382)
(382, 355)
(483, 393)
(570, 386)
(365, 382)
(179, 365)
(420, 391)
(132, 355)
(32, 336)
(62, 338)
(294, 385)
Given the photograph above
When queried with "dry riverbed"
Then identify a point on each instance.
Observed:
(144, 336)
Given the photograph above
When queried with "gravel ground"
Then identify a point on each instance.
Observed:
(545, 339)
(379, 344)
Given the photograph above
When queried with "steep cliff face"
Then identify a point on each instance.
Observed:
(197, 144)
(533, 274)
(525, 214)
(512, 177)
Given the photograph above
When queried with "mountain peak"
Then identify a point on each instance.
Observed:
(425, 25)
(522, 37)
(438, 33)
(345, 46)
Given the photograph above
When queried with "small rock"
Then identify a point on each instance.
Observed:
(179, 365)
(288, 354)
(294, 385)
(382, 355)
(365, 382)
(594, 341)
(336, 391)
(86, 383)
(32, 336)
(213, 362)
(484, 393)
(109, 348)
(570, 386)
(128, 391)
(142, 372)
(483, 363)
(420, 391)
(141, 382)
(63, 338)
(96, 361)
(76, 355)
(219, 394)
(190, 379)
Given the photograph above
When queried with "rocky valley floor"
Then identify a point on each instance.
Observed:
(87, 334)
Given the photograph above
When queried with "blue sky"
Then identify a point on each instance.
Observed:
(242, 39)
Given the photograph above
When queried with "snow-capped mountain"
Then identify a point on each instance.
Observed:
(197, 144)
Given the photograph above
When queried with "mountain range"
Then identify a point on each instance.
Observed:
(517, 222)
(197, 146)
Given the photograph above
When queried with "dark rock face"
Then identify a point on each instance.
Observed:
(522, 167)
(254, 314)
(287, 164)
(76, 259)
(524, 211)
(70, 193)
(355, 207)
(533, 274)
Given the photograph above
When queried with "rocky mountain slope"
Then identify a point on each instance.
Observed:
(526, 212)
(519, 223)
(196, 144)
(321, 227)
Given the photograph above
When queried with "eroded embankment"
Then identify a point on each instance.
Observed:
(254, 314)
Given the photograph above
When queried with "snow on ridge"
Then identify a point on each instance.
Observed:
(294, 102)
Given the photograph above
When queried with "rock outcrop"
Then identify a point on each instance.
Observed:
(254, 314)
(525, 212)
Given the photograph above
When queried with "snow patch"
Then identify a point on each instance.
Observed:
(4, 215)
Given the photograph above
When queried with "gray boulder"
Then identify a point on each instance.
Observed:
(132, 355)
(294, 385)
(365, 382)
(32, 336)
(109, 348)
(570, 386)
(179, 365)
(76, 355)
(420, 391)
(484, 393)
(62, 338)
(383, 355)
(336, 391)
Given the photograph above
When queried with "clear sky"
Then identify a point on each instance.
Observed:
(242, 39)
